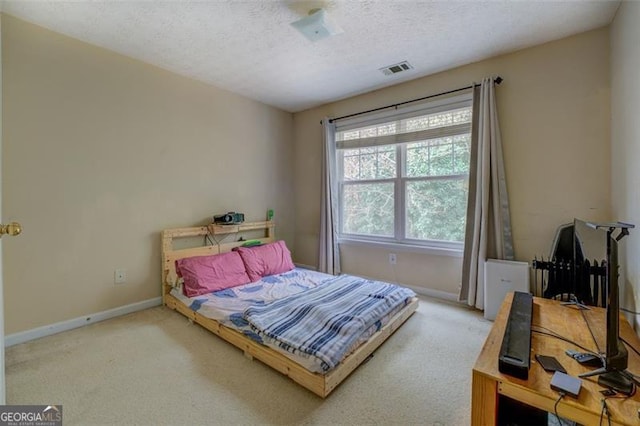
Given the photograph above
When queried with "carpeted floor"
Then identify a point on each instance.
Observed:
(155, 368)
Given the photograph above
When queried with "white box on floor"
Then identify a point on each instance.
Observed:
(501, 277)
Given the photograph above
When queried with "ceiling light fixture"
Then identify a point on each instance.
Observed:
(317, 25)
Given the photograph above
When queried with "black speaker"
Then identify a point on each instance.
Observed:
(229, 218)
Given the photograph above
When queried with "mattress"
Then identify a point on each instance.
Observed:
(228, 307)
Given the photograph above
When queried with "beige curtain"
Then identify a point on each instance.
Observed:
(329, 252)
(488, 232)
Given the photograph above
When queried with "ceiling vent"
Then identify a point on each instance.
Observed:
(396, 68)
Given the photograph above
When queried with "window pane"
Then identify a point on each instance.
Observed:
(436, 209)
(461, 153)
(368, 209)
(439, 157)
(369, 163)
(432, 174)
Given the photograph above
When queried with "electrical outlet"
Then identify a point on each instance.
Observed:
(392, 258)
(120, 276)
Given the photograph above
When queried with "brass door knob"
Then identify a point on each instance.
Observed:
(13, 229)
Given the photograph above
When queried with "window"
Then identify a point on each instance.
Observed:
(403, 176)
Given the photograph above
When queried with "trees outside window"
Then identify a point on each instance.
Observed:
(404, 179)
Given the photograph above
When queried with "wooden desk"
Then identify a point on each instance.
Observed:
(488, 383)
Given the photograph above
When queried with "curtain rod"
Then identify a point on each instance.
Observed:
(497, 80)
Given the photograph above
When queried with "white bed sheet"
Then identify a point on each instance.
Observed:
(221, 305)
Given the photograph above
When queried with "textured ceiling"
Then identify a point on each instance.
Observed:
(250, 48)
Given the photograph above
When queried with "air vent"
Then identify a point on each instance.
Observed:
(396, 68)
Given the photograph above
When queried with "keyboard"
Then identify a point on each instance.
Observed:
(515, 352)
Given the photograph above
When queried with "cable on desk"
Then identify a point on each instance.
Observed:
(630, 311)
(632, 376)
(557, 336)
(586, 321)
(605, 409)
(555, 408)
(629, 344)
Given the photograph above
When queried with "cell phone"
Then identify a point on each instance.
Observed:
(549, 363)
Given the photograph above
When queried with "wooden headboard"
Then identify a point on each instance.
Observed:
(214, 244)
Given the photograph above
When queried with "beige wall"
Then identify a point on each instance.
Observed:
(625, 143)
(102, 152)
(554, 108)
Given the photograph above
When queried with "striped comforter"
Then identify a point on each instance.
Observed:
(325, 321)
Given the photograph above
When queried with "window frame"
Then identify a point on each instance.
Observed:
(399, 241)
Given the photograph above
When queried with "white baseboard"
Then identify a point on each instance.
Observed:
(303, 266)
(47, 330)
(438, 294)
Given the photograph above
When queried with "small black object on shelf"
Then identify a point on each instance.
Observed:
(231, 218)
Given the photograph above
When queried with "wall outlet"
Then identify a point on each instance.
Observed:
(120, 276)
(392, 258)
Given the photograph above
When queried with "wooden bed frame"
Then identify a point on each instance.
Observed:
(319, 384)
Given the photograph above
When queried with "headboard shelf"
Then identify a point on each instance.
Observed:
(216, 229)
(170, 253)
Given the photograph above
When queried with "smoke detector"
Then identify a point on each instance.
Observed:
(396, 68)
(317, 25)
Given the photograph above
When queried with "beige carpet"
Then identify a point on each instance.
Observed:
(155, 368)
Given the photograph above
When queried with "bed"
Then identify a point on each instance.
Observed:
(243, 314)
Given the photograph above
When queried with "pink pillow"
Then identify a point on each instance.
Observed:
(205, 274)
(268, 259)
